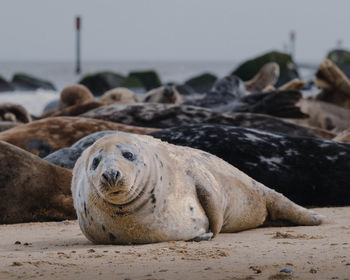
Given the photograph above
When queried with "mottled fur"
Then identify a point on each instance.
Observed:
(48, 135)
(169, 115)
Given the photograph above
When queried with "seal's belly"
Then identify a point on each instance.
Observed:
(174, 218)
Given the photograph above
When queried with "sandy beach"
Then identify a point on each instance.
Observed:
(59, 250)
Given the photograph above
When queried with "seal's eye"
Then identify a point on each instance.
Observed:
(95, 162)
(129, 156)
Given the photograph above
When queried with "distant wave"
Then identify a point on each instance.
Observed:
(33, 101)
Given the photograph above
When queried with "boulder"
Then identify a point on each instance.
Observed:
(288, 69)
(5, 85)
(100, 82)
(202, 83)
(134, 84)
(23, 81)
(342, 59)
(149, 79)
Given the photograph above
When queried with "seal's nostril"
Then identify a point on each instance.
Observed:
(117, 175)
(105, 176)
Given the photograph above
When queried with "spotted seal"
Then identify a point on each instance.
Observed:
(311, 172)
(48, 135)
(32, 189)
(130, 189)
(171, 115)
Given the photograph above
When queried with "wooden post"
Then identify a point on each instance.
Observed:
(78, 27)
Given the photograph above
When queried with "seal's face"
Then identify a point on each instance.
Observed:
(113, 169)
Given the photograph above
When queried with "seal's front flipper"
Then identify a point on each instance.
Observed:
(212, 206)
(203, 237)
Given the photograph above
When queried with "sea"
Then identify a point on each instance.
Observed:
(62, 74)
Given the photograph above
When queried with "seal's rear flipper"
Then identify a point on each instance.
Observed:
(203, 237)
(281, 208)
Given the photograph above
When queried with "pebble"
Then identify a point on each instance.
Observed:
(286, 270)
(312, 270)
(17, 242)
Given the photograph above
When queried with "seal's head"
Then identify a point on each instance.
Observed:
(116, 168)
(119, 95)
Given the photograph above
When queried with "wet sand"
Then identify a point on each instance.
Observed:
(58, 250)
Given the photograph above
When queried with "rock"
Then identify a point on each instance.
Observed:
(288, 69)
(149, 79)
(202, 83)
(100, 82)
(286, 270)
(51, 105)
(5, 85)
(134, 84)
(341, 58)
(23, 81)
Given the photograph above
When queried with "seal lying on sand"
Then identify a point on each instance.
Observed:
(169, 115)
(136, 189)
(48, 135)
(32, 189)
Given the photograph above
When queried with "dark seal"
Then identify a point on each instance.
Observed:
(170, 115)
(311, 172)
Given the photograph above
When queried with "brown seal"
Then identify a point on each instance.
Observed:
(32, 189)
(137, 189)
(119, 95)
(48, 135)
(14, 113)
(74, 100)
(74, 95)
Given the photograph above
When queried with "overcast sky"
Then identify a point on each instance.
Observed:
(170, 30)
